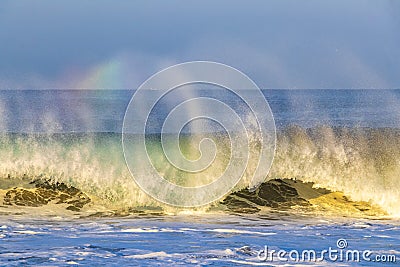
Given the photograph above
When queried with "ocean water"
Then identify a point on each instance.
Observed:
(67, 196)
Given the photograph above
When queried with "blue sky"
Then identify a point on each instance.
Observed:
(279, 44)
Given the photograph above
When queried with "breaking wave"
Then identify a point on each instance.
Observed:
(347, 171)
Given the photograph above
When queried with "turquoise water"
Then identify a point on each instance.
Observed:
(342, 140)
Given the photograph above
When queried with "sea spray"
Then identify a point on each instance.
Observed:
(361, 162)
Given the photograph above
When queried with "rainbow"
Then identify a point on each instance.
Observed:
(117, 73)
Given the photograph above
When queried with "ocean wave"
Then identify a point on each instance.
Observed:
(341, 170)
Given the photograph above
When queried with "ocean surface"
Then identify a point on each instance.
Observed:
(68, 198)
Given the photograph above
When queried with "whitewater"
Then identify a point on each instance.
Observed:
(63, 177)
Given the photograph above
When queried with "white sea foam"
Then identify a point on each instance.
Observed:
(159, 254)
(28, 232)
(362, 163)
(238, 231)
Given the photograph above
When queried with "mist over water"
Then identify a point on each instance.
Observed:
(61, 111)
(342, 140)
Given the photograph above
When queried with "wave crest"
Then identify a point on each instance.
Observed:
(362, 163)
